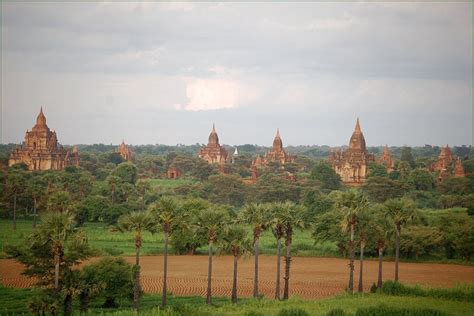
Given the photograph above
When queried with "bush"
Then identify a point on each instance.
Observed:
(254, 313)
(396, 311)
(336, 312)
(293, 312)
(459, 293)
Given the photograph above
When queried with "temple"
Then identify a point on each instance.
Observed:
(276, 154)
(41, 150)
(386, 159)
(213, 152)
(352, 164)
(447, 165)
(125, 152)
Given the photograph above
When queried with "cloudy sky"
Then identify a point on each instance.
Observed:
(164, 72)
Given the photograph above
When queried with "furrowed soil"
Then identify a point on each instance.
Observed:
(310, 278)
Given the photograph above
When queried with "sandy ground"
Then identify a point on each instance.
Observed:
(310, 277)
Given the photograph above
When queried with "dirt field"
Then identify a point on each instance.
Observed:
(310, 277)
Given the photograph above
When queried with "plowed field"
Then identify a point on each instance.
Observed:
(310, 277)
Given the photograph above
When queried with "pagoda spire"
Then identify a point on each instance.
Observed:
(213, 127)
(278, 133)
(357, 127)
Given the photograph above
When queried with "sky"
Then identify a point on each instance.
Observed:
(163, 73)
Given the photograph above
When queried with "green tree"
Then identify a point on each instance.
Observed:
(236, 241)
(113, 182)
(291, 216)
(380, 189)
(16, 182)
(36, 189)
(329, 178)
(259, 217)
(382, 230)
(400, 211)
(407, 156)
(226, 189)
(421, 179)
(168, 215)
(278, 229)
(211, 222)
(377, 170)
(50, 252)
(352, 203)
(60, 201)
(136, 222)
(126, 171)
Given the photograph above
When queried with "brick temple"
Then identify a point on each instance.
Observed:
(41, 150)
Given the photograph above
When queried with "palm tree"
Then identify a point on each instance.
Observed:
(290, 216)
(382, 229)
(351, 203)
(400, 211)
(113, 182)
(211, 222)
(236, 241)
(259, 216)
(364, 222)
(278, 230)
(137, 222)
(56, 229)
(168, 215)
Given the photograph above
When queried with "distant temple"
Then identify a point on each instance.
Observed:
(386, 159)
(276, 154)
(125, 152)
(41, 150)
(173, 173)
(213, 152)
(352, 164)
(447, 165)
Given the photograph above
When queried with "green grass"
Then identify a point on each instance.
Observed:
(100, 237)
(14, 301)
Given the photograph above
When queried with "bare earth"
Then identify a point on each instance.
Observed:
(310, 277)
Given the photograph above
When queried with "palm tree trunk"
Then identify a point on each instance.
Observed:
(234, 282)
(277, 287)
(68, 305)
(34, 212)
(360, 288)
(287, 269)
(165, 272)
(255, 279)
(56, 271)
(137, 287)
(351, 261)
(209, 276)
(379, 281)
(84, 301)
(397, 251)
(14, 211)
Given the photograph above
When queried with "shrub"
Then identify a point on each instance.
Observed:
(396, 311)
(253, 313)
(293, 312)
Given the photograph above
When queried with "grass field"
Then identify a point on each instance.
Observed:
(101, 238)
(14, 301)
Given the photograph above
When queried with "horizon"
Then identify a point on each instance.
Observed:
(168, 71)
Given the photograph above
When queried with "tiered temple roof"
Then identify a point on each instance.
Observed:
(41, 150)
(352, 164)
(213, 152)
(125, 151)
(276, 154)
